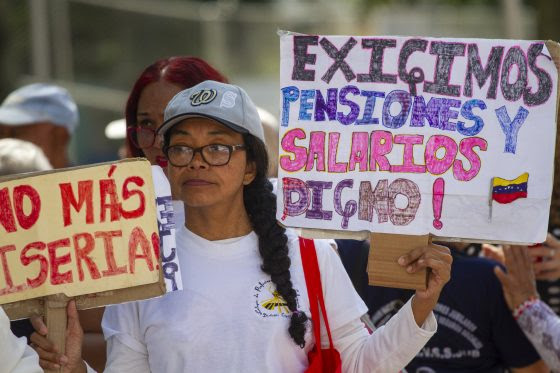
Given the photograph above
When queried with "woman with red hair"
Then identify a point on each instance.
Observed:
(149, 96)
(151, 92)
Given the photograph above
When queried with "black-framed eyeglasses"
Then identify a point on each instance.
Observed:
(143, 137)
(213, 154)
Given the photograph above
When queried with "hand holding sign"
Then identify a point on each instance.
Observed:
(438, 260)
(50, 358)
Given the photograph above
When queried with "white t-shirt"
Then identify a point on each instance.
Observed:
(15, 355)
(229, 319)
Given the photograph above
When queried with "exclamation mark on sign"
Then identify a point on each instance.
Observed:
(438, 191)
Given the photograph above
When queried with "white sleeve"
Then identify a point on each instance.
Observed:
(126, 350)
(389, 349)
(542, 327)
(15, 355)
(123, 359)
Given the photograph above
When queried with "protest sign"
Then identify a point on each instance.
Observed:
(417, 136)
(64, 232)
(91, 233)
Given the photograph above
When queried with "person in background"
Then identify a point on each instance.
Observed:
(539, 323)
(149, 96)
(476, 331)
(44, 114)
(545, 259)
(18, 156)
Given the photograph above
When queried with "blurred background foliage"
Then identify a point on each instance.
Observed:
(97, 48)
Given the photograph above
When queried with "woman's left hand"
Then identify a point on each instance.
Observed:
(437, 259)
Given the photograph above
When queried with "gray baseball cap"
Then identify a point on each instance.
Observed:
(40, 102)
(225, 103)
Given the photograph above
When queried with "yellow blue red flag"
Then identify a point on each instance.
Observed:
(507, 191)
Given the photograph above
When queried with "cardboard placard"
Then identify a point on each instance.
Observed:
(89, 233)
(383, 269)
(417, 135)
(65, 231)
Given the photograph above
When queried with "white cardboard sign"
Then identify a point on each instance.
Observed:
(411, 135)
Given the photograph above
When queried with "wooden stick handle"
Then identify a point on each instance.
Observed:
(56, 319)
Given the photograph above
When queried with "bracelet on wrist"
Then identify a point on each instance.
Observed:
(518, 311)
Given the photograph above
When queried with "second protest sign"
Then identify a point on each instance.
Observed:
(408, 135)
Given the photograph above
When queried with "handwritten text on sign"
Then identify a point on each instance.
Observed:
(406, 135)
(79, 231)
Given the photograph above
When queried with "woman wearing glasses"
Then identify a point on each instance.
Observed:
(244, 307)
(151, 92)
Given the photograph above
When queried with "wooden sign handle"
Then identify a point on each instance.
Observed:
(56, 319)
(383, 268)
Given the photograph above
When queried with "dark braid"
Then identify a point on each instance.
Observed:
(260, 203)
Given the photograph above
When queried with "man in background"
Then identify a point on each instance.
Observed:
(43, 114)
(47, 116)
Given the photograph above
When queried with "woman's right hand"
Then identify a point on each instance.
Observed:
(518, 282)
(49, 356)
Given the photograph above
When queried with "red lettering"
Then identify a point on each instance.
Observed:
(85, 195)
(55, 261)
(138, 238)
(129, 193)
(5, 268)
(108, 188)
(26, 221)
(155, 245)
(6, 213)
(10, 288)
(112, 268)
(82, 254)
(43, 263)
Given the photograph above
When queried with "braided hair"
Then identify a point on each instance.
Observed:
(260, 203)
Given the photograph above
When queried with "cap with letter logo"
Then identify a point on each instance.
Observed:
(225, 103)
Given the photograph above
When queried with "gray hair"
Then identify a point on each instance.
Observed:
(18, 156)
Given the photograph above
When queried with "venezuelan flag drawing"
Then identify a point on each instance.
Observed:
(507, 191)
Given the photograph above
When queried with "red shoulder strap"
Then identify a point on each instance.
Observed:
(314, 289)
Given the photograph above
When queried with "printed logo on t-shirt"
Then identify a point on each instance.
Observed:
(268, 302)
